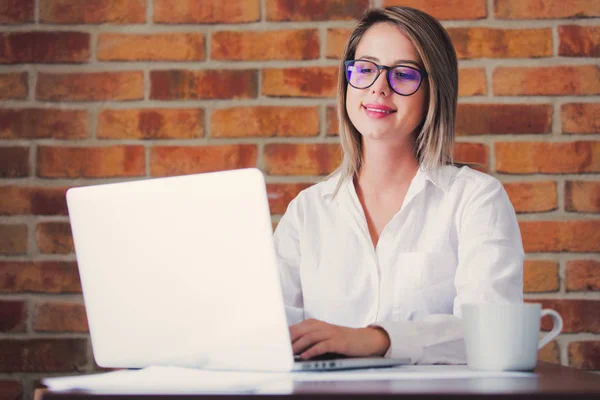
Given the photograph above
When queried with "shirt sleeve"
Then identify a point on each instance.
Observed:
(287, 249)
(490, 270)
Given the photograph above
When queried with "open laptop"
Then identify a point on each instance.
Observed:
(182, 271)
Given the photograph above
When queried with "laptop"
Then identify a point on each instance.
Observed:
(182, 271)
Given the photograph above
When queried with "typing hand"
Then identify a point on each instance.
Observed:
(312, 338)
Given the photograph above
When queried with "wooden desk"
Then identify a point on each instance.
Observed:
(552, 381)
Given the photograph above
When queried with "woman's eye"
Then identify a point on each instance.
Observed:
(402, 75)
(365, 70)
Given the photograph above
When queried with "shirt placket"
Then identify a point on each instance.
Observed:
(393, 232)
(358, 219)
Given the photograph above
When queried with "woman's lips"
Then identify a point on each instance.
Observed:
(377, 110)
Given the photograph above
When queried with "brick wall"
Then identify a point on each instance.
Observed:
(98, 91)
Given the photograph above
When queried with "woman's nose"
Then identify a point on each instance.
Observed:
(381, 84)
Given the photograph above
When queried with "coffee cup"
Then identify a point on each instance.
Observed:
(505, 337)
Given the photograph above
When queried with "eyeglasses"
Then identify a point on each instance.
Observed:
(402, 79)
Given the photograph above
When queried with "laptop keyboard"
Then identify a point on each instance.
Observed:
(322, 357)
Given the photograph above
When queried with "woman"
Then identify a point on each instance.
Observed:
(379, 258)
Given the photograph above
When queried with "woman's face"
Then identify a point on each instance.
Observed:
(377, 112)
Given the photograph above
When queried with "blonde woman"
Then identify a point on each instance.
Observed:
(378, 259)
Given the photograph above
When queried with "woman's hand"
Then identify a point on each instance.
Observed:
(312, 338)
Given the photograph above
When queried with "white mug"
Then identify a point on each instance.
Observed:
(504, 337)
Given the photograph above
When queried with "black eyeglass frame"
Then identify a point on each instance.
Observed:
(347, 63)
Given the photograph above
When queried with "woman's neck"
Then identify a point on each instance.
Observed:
(385, 166)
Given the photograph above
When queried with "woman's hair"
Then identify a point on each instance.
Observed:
(435, 136)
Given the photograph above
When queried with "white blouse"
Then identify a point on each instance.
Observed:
(455, 240)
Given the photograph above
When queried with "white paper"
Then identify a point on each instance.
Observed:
(178, 380)
(169, 380)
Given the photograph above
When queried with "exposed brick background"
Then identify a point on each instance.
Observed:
(13, 239)
(108, 90)
(13, 315)
(10, 389)
(60, 317)
(13, 86)
(151, 47)
(43, 355)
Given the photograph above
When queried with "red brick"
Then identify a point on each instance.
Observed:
(23, 200)
(540, 276)
(43, 123)
(265, 121)
(336, 42)
(472, 82)
(93, 11)
(150, 47)
(445, 9)
(582, 196)
(16, 12)
(44, 47)
(39, 277)
(478, 42)
(60, 317)
(583, 275)
(151, 123)
(54, 238)
(561, 236)
(548, 158)
(332, 121)
(43, 355)
(91, 162)
(90, 86)
(479, 118)
(579, 41)
(580, 117)
(301, 159)
(204, 84)
(578, 315)
(173, 160)
(546, 9)
(10, 389)
(206, 11)
(280, 195)
(13, 86)
(13, 315)
(315, 10)
(14, 162)
(551, 81)
(300, 82)
(475, 154)
(550, 353)
(265, 45)
(13, 239)
(537, 196)
(584, 355)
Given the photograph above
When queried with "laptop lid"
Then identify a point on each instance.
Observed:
(181, 271)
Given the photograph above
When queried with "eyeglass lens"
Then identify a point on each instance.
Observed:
(403, 80)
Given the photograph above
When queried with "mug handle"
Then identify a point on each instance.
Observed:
(557, 324)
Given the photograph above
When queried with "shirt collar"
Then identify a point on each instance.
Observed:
(331, 183)
(440, 177)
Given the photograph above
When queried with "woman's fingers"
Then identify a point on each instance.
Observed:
(304, 327)
(312, 337)
(309, 339)
(326, 346)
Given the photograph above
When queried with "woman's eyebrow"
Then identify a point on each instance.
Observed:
(397, 62)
